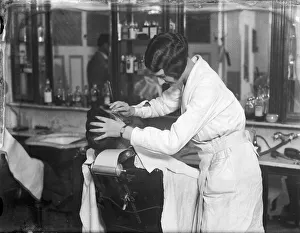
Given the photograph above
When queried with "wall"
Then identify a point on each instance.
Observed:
(210, 48)
(57, 119)
(247, 18)
(263, 29)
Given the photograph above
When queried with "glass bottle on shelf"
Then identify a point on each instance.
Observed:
(153, 29)
(22, 34)
(77, 97)
(22, 57)
(125, 30)
(40, 33)
(60, 94)
(48, 93)
(69, 98)
(86, 97)
(123, 65)
(266, 97)
(250, 108)
(130, 64)
(145, 28)
(95, 94)
(259, 105)
(132, 31)
(119, 31)
(136, 64)
(136, 28)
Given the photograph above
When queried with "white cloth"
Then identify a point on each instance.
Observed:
(152, 160)
(180, 201)
(209, 111)
(89, 215)
(180, 189)
(28, 171)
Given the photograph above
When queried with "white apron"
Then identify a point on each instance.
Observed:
(229, 201)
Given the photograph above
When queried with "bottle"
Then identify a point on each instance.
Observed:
(125, 30)
(95, 93)
(69, 98)
(153, 29)
(119, 31)
(123, 65)
(259, 106)
(130, 64)
(48, 93)
(60, 94)
(250, 108)
(23, 34)
(40, 34)
(135, 64)
(132, 31)
(77, 97)
(145, 28)
(86, 97)
(266, 98)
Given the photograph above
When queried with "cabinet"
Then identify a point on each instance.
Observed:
(31, 51)
(133, 26)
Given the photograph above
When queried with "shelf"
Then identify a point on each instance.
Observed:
(135, 41)
(273, 125)
(46, 107)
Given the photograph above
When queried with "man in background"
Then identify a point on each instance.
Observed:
(98, 68)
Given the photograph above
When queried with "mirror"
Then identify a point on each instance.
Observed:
(235, 39)
(75, 30)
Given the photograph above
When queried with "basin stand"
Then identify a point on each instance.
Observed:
(39, 212)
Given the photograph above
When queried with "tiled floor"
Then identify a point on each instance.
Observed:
(20, 219)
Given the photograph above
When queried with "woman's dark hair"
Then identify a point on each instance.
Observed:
(167, 51)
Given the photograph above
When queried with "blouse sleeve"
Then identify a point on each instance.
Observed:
(169, 102)
(201, 108)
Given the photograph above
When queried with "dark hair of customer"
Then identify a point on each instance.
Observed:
(167, 51)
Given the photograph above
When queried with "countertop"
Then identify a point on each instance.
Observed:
(29, 132)
(265, 160)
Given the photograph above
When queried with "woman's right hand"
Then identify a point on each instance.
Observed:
(122, 108)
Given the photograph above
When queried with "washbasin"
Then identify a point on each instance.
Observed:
(58, 140)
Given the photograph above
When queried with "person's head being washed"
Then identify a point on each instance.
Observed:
(213, 121)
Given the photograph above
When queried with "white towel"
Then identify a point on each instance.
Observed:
(89, 215)
(28, 171)
(151, 160)
(180, 183)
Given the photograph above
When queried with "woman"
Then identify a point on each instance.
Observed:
(213, 120)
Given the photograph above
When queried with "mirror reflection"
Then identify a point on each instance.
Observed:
(234, 38)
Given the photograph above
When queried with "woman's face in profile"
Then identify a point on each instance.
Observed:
(162, 78)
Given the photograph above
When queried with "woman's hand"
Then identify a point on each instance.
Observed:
(122, 108)
(109, 127)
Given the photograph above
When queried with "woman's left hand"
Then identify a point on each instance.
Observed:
(109, 127)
